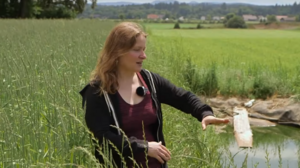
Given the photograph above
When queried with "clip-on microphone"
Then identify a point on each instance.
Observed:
(141, 91)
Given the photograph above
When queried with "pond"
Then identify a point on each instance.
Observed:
(279, 144)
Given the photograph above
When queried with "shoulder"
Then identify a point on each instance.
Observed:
(92, 87)
(149, 74)
(90, 91)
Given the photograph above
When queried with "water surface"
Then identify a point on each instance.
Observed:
(280, 145)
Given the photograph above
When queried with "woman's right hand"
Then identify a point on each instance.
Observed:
(158, 151)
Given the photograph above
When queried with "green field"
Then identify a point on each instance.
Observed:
(242, 57)
(45, 63)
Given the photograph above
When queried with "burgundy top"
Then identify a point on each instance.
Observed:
(133, 118)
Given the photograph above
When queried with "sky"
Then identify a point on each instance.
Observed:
(258, 2)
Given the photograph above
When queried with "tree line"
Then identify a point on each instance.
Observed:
(42, 8)
(81, 8)
(176, 10)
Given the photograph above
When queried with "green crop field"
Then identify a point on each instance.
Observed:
(241, 58)
(45, 63)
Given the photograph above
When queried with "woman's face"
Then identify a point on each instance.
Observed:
(133, 60)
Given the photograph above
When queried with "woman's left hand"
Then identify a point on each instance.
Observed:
(212, 120)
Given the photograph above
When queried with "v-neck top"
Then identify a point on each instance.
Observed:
(140, 119)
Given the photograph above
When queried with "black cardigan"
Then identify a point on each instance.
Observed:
(99, 119)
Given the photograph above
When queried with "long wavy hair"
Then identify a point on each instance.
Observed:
(118, 43)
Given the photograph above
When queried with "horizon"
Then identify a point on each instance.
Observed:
(255, 2)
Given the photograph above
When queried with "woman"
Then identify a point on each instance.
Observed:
(121, 94)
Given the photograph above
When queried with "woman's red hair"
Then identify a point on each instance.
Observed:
(120, 40)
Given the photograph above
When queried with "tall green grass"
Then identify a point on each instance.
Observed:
(43, 66)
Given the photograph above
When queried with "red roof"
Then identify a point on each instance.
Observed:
(154, 16)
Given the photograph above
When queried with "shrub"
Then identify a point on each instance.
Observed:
(271, 18)
(177, 26)
(236, 22)
(199, 26)
(57, 12)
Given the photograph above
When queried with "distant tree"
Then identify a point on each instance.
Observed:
(175, 9)
(16, 8)
(240, 12)
(176, 26)
(94, 4)
(176, 5)
(271, 18)
(199, 26)
(236, 22)
(224, 7)
(208, 17)
(121, 16)
(25, 8)
(298, 18)
(295, 8)
(184, 10)
(227, 18)
(41, 8)
(167, 15)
